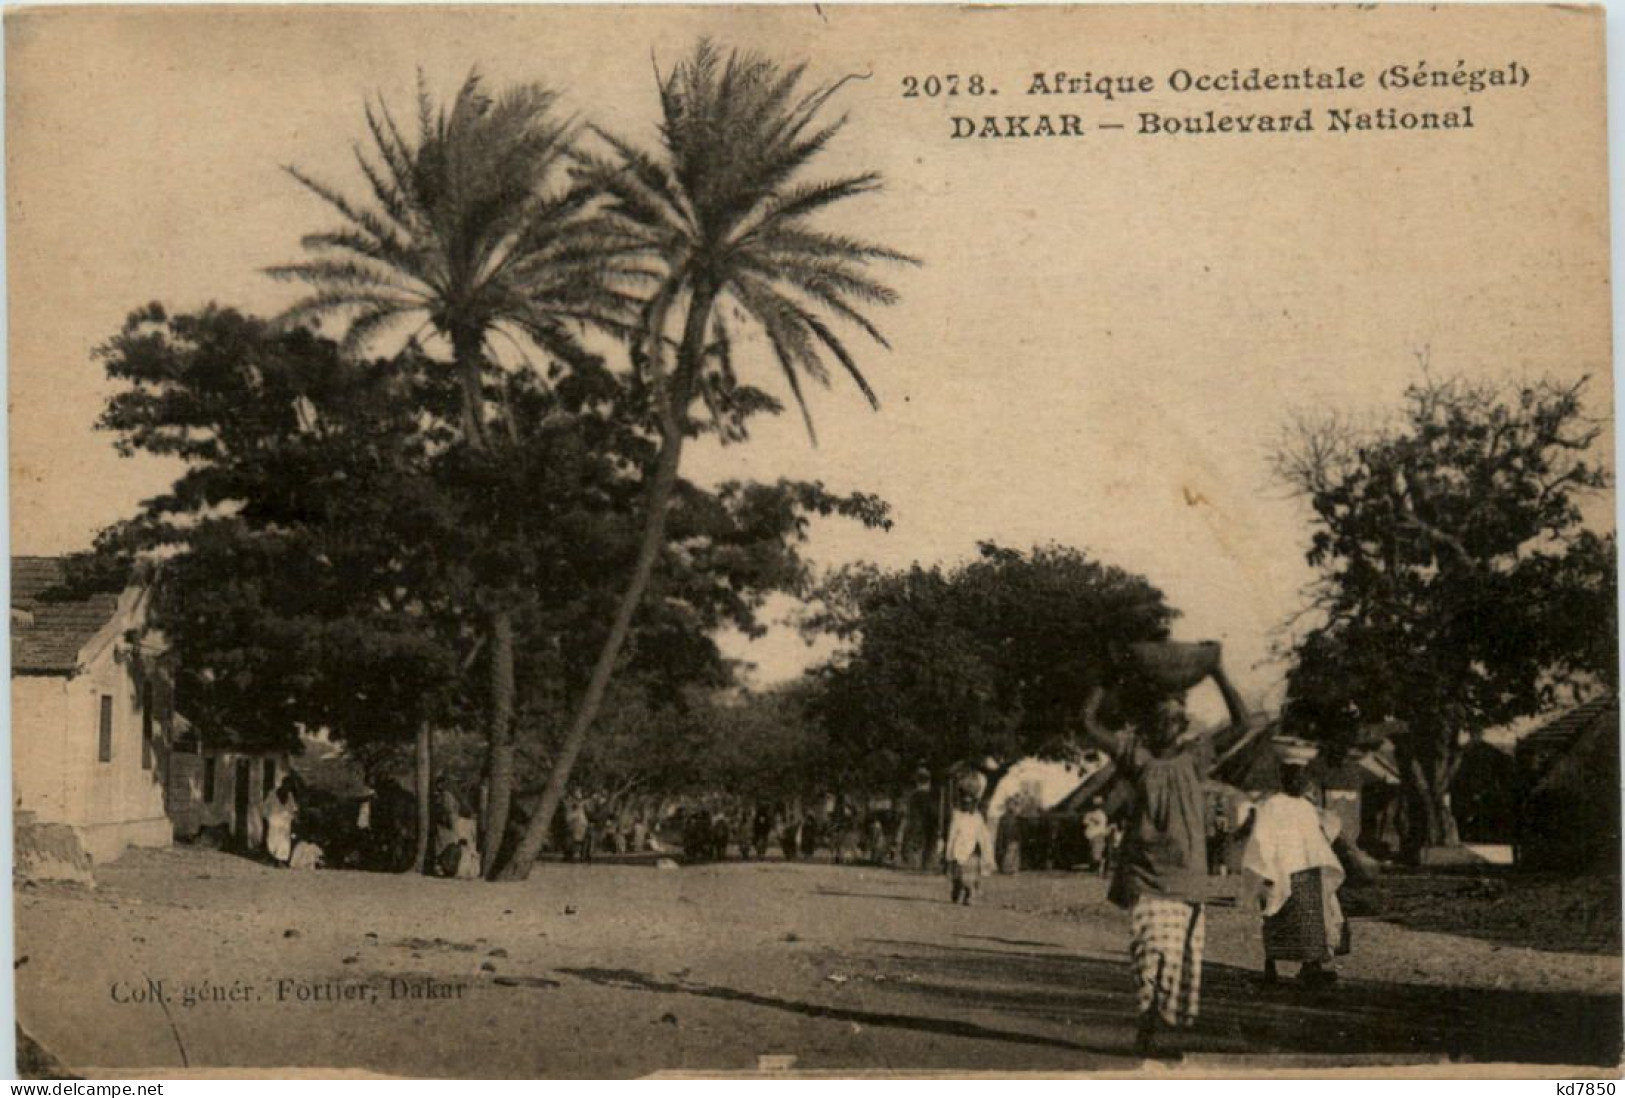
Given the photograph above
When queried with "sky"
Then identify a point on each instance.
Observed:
(1104, 338)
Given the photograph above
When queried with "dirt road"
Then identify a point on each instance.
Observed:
(190, 957)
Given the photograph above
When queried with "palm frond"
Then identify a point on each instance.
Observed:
(789, 337)
(368, 322)
(829, 287)
(784, 158)
(391, 184)
(808, 198)
(324, 303)
(726, 209)
(828, 339)
(466, 222)
(782, 239)
(654, 192)
(363, 269)
(365, 220)
(830, 279)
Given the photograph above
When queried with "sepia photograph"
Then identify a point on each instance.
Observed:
(619, 541)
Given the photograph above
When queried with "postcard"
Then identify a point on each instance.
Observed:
(619, 541)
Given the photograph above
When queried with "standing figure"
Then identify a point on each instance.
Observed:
(279, 810)
(579, 826)
(875, 839)
(762, 828)
(1218, 848)
(1114, 850)
(448, 823)
(1294, 875)
(969, 853)
(809, 836)
(1008, 840)
(1095, 828)
(1161, 873)
(720, 836)
(920, 820)
(789, 835)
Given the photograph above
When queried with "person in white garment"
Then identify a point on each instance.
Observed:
(279, 809)
(970, 850)
(1293, 875)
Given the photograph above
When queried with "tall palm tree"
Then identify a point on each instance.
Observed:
(473, 227)
(725, 209)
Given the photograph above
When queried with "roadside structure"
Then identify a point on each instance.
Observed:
(1570, 816)
(217, 786)
(91, 710)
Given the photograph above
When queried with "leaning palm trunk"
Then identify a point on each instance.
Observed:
(654, 535)
(675, 406)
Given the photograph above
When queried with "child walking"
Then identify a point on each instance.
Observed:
(970, 850)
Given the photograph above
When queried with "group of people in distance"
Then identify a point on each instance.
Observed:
(712, 828)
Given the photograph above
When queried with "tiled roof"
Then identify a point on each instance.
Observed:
(1541, 749)
(47, 637)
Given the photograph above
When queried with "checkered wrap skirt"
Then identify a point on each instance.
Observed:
(1166, 951)
(1298, 931)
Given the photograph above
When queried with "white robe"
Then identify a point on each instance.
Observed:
(279, 827)
(968, 837)
(1289, 836)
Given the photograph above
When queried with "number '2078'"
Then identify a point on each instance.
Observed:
(931, 87)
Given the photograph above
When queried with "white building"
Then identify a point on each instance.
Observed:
(89, 711)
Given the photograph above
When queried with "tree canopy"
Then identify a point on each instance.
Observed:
(325, 549)
(994, 658)
(1459, 587)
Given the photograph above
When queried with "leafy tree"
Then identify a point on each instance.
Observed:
(323, 545)
(1459, 588)
(724, 211)
(299, 576)
(471, 227)
(993, 659)
(728, 549)
(764, 745)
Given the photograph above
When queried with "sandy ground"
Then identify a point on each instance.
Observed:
(626, 970)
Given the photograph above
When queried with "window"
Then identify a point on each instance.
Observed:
(104, 744)
(208, 780)
(146, 726)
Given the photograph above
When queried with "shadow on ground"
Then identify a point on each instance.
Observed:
(1239, 1014)
(1051, 1000)
(628, 980)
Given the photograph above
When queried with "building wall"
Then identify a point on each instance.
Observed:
(59, 772)
(39, 775)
